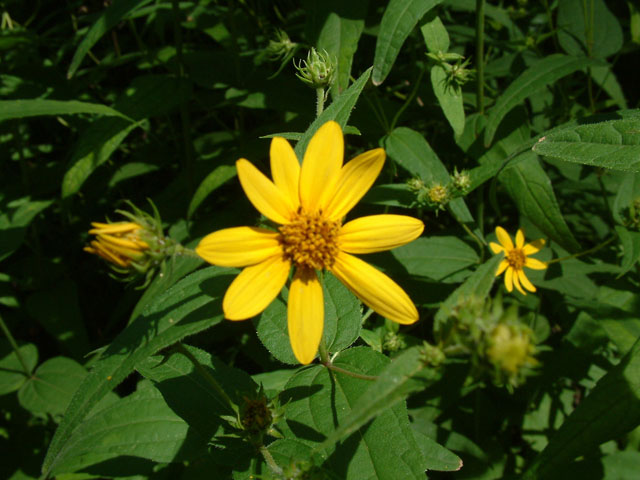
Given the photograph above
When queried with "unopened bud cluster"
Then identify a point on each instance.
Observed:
(317, 70)
(437, 195)
(457, 72)
(280, 47)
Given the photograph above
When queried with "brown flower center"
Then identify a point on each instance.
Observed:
(516, 258)
(310, 240)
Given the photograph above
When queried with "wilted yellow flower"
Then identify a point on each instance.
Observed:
(516, 257)
(309, 202)
(119, 243)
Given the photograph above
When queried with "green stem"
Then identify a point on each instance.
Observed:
(270, 461)
(319, 101)
(207, 376)
(412, 95)
(480, 55)
(324, 354)
(361, 376)
(14, 345)
(586, 252)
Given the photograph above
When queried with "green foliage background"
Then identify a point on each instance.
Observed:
(103, 102)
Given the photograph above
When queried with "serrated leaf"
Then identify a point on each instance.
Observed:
(405, 374)
(612, 144)
(342, 321)
(318, 401)
(592, 31)
(214, 180)
(141, 425)
(12, 374)
(41, 107)
(339, 110)
(450, 99)
(539, 75)
(190, 306)
(610, 410)
(530, 188)
(400, 17)
(108, 19)
(436, 258)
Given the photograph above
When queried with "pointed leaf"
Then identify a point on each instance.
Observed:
(41, 106)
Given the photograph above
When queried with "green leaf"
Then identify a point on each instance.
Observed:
(339, 110)
(591, 32)
(435, 36)
(626, 193)
(52, 385)
(630, 248)
(39, 106)
(340, 34)
(610, 410)
(218, 177)
(12, 374)
(436, 258)
(478, 285)
(14, 223)
(405, 374)
(450, 99)
(190, 306)
(109, 18)
(612, 144)
(400, 17)
(342, 321)
(141, 425)
(57, 309)
(539, 75)
(530, 188)
(190, 395)
(436, 456)
(317, 401)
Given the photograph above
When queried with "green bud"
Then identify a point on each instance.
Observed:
(432, 355)
(280, 47)
(461, 181)
(317, 70)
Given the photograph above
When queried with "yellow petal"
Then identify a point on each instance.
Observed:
(534, 264)
(123, 242)
(504, 238)
(502, 267)
(263, 194)
(321, 167)
(375, 289)
(356, 177)
(495, 248)
(376, 233)
(118, 227)
(525, 281)
(255, 288)
(239, 246)
(533, 247)
(285, 170)
(305, 314)
(508, 279)
(519, 238)
(516, 282)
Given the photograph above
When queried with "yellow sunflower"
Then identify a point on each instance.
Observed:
(309, 203)
(515, 258)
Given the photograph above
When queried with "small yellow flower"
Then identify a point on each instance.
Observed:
(515, 258)
(309, 203)
(119, 243)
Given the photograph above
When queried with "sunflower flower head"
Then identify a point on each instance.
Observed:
(516, 257)
(309, 203)
(134, 247)
(318, 70)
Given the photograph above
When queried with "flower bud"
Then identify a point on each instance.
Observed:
(280, 47)
(510, 350)
(461, 181)
(317, 70)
